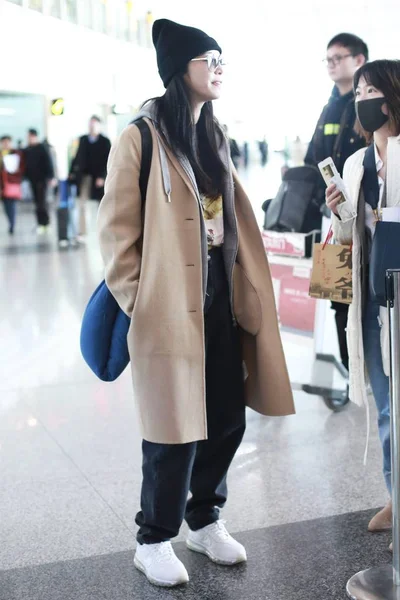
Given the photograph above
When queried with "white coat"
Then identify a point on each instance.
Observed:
(346, 233)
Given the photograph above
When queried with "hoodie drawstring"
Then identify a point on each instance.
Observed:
(165, 170)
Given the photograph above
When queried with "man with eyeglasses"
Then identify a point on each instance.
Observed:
(335, 135)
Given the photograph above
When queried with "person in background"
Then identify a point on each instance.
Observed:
(246, 152)
(235, 152)
(89, 169)
(369, 175)
(52, 190)
(39, 172)
(335, 135)
(11, 173)
(297, 152)
(53, 156)
(263, 147)
(233, 146)
(198, 353)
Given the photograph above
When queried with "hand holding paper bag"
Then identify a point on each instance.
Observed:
(331, 277)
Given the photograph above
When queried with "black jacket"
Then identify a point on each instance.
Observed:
(91, 159)
(334, 135)
(38, 164)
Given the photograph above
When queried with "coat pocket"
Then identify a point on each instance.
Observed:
(246, 303)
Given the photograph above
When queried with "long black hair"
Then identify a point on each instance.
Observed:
(199, 142)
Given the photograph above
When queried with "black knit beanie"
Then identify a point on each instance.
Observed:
(176, 45)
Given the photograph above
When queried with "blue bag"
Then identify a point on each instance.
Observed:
(105, 326)
(103, 335)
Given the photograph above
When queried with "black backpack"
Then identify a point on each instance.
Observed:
(297, 205)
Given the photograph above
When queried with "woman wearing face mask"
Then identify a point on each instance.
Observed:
(368, 175)
(187, 264)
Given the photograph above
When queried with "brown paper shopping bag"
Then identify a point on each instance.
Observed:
(331, 277)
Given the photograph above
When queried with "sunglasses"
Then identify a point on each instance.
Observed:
(213, 61)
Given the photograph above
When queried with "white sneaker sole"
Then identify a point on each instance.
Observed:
(157, 582)
(202, 550)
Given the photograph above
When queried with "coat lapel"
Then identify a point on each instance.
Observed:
(354, 179)
(393, 172)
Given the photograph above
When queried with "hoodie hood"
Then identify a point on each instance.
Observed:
(148, 112)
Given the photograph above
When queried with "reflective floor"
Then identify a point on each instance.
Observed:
(70, 461)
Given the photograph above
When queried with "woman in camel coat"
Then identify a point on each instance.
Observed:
(187, 264)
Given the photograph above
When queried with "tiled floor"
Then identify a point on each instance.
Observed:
(70, 462)
(311, 559)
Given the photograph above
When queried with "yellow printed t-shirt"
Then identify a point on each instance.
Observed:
(213, 213)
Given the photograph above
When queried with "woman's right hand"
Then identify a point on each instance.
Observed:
(333, 197)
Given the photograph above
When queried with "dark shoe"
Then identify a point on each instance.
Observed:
(382, 521)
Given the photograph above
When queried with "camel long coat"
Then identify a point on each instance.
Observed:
(156, 268)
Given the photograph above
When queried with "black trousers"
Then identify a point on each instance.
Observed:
(341, 316)
(39, 189)
(170, 472)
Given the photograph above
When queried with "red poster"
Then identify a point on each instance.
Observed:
(296, 309)
(285, 244)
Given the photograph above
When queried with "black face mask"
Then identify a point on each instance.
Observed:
(370, 115)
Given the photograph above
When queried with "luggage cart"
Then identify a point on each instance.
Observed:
(329, 378)
(323, 382)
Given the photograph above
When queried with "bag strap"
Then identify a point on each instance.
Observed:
(384, 196)
(370, 179)
(147, 152)
(370, 182)
(329, 237)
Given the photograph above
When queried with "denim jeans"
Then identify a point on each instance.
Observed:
(379, 382)
(171, 471)
(10, 208)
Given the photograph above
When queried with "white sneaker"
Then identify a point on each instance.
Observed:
(215, 542)
(63, 243)
(160, 564)
(43, 229)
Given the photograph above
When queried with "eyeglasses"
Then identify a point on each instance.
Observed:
(335, 60)
(213, 61)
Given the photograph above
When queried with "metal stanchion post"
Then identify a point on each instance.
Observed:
(383, 583)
